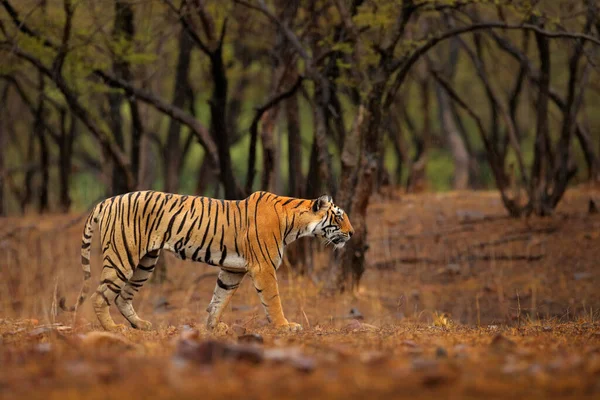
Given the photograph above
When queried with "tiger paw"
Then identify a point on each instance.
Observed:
(290, 327)
(142, 325)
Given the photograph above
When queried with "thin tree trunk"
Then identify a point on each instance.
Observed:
(586, 143)
(173, 156)
(269, 149)
(218, 110)
(29, 174)
(294, 146)
(67, 136)
(540, 156)
(3, 144)
(122, 31)
(313, 179)
(417, 177)
(395, 135)
(564, 171)
(457, 146)
(370, 134)
(323, 156)
(206, 176)
(40, 116)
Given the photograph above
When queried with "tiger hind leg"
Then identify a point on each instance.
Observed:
(110, 287)
(135, 283)
(227, 284)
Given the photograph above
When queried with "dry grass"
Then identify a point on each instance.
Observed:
(458, 301)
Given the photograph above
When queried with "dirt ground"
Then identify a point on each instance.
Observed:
(458, 301)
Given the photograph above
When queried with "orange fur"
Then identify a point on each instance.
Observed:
(242, 237)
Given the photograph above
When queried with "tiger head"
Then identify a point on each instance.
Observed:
(331, 223)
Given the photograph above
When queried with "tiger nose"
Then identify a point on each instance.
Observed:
(350, 233)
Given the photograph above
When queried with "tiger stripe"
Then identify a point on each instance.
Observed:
(242, 237)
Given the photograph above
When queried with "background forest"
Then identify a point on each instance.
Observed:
(462, 137)
(222, 98)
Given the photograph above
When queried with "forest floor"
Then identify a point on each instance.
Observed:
(458, 301)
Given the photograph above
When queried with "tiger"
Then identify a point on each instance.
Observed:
(241, 237)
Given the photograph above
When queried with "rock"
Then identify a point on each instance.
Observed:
(189, 333)
(353, 325)
(210, 351)
(502, 343)
(43, 348)
(292, 356)
(453, 269)
(238, 330)
(355, 313)
(582, 275)
(251, 338)
(470, 215)
(409, 343)
(441, 352)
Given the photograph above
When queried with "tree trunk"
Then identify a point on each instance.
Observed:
(206, 176)
(339, 274)
(323, 156)
(298, 253)
(65, 148)
(540, 157)
(395, 136)
(294, 147)
(313, 186)
(122, 31)
(218, 109)
(564, 171)
(173, 157)
(417, 177)
(370, 138)
(457, 146)
(586, 144)
(39, 127)
(269, 149)
(3, 144)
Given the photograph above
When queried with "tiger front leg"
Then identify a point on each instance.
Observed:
(265, 283)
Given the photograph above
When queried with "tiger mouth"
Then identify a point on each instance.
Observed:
(339, 239)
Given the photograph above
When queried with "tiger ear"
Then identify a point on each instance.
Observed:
(322, 202)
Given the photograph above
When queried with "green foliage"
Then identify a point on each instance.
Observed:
(250, 54)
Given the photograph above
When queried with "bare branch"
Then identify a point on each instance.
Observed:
(174, 112)
(188, 27)
(254, 128)
(284, 28)
(118, 156)
(29, 103)
(59, 61)
(405, 63)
